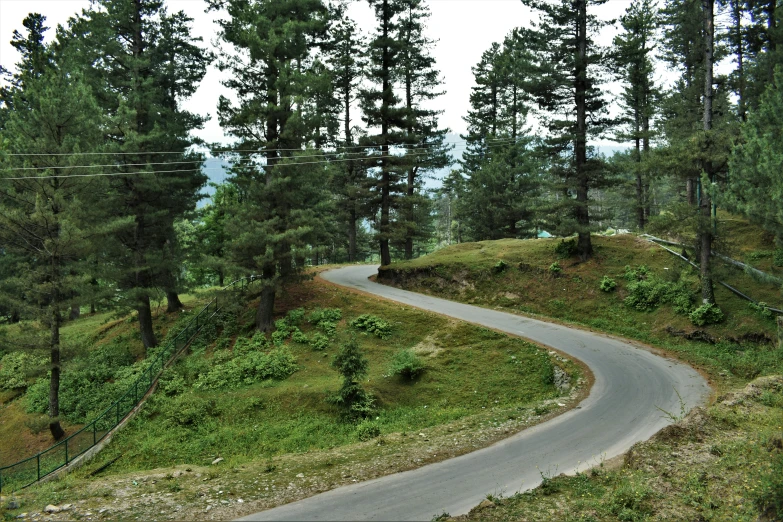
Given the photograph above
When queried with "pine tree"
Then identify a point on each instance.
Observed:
(755, 186)
(283, 206)
(427, 152)
(633, 54)
(144, 64)
(569, 69)
(46, 227)
(384, 113)
(347, 62)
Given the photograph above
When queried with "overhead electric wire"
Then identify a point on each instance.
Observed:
(240, 163)
(261, 151)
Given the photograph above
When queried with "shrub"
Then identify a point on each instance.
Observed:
(706, 314)
(319, 342)
(777, 257)
(406, 364)
(565, 248)
(329, 328)
(554, 268)
(607, 284)
(761, 309)
(295, 317)
(367, 431)
(15, 368)
(299, 337)
(353, 400)
(637, 274)
(499, 267)
(188, 410)
(251, 367)
(320, 315)
(648, 294)
(171, 383)
(372, 324)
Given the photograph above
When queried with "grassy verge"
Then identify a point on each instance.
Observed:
(724, 462)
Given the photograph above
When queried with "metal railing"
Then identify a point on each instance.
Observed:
(31, 470)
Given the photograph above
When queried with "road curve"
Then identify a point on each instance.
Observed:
(631, 385)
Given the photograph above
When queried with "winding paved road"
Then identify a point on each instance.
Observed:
(623, 408)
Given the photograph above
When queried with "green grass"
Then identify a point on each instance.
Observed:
(723, 463)
(468, 370)
(465, 272)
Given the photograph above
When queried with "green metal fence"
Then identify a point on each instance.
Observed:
(29, 471)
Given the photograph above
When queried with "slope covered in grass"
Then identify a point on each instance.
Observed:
(532, 277)
(101, 356)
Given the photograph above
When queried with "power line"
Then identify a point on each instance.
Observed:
(253, 151)
(361, 155)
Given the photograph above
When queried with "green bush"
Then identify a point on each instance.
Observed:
(761, 309)
(295, 317)
(187, 410)
(367, 430)
(554, 268)
(499, 267)
(171, 383)
(372, 324)
(250, 367)
(637, 274)
(650, 293)
(777, 257)
(607, 284)
(319, 315)
(406, 364)
(15, 368)
(565, 248)
(299, 337)
(706, 314)
(319, 342)
(328, 327)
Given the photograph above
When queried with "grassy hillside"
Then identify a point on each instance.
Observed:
(531, 277)
(723, 462)
(101, 354)
(260, 404)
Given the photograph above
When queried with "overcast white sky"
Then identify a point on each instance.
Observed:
(464, 30)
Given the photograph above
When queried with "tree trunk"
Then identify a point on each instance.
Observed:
(145, 322)
(689, 192)
(92, 308)
(221, 278)
(584, 244)
(705, 204)
(352, 234)
(54, 381)
(266, 305)
(409, 227)
(387, 98)
(75, 312)
(639, 187)
(173, 302)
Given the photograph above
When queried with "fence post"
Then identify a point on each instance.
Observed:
(118, 412)
(94, 432)
(38, 461)
(66, 450)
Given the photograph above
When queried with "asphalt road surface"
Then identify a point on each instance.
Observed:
(631, 388)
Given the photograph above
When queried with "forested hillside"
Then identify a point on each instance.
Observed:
(331, 144)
